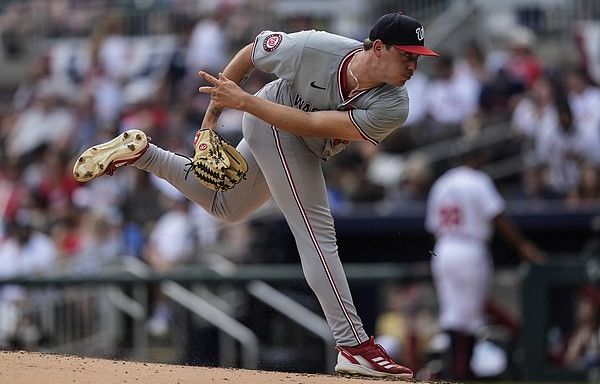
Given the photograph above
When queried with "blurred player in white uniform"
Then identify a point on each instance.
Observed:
(463, 209)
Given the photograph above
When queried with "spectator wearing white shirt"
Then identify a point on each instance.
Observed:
(110, 50)
(450, 100)
(584, 99)
(46, 121)
(473, 63)
(208, 46)
(171, 241)
(36, 252)
(535, 113)
(564, 149)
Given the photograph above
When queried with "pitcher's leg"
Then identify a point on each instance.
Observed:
(232, 205)
(296, 182)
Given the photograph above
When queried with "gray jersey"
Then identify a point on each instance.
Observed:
(309, 67)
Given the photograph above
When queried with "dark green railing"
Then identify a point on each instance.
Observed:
(539, 282)
(270, 273)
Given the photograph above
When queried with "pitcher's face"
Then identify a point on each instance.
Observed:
(396, 65)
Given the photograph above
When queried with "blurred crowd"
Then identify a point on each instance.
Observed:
(102, 73)
(92, 82)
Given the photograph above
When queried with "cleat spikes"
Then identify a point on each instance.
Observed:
(105, 158)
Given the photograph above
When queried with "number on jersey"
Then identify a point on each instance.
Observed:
(450, 217)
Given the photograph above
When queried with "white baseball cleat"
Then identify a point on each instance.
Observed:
(105, 158)
(369, 359)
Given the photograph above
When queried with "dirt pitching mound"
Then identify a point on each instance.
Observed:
(41, 368)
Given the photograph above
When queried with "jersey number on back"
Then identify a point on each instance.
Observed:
(450, 217)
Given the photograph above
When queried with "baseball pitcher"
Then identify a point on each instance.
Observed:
(330, 90)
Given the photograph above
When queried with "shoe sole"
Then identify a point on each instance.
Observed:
(95, 161)
(354, 369)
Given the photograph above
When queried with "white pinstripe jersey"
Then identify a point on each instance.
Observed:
(309, 67)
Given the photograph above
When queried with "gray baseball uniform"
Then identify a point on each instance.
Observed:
(311, 68)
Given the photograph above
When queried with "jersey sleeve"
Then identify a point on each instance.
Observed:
(430, 216)
(279, 53)
(492, 203)
(382, 117)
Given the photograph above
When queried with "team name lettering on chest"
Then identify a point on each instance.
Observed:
(303, 105)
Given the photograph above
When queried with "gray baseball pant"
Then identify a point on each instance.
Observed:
(282, 166)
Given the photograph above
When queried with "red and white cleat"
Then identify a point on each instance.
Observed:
(107, 157)
(369, 359)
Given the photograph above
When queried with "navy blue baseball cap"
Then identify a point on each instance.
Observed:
(402, 32)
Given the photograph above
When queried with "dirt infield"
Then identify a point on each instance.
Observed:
(39, 368)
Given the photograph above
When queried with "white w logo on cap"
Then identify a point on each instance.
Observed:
(420, 33)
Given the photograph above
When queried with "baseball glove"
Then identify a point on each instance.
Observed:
(216, 163)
